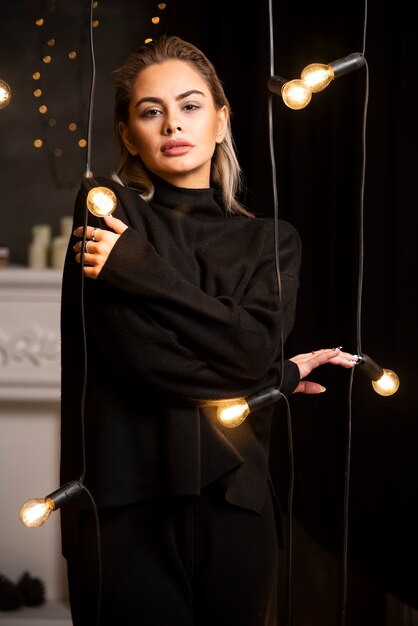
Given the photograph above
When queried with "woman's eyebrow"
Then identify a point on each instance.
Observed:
(154, 100)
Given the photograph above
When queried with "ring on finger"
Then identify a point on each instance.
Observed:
(93, 233)
(86, 246)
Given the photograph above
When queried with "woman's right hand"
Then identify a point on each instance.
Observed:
(99, 244)
(311, 360)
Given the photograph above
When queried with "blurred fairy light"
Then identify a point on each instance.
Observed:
(58, 138)
(155, 20)
(50, 58)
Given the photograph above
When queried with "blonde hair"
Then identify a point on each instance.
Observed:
(226, 175)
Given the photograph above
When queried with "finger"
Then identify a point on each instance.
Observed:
(316, 357)
(94, 233)
(309, 387)
(89, 246)
(115, 224)
(317, 353)
(78, 232)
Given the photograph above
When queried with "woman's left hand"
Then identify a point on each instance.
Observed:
(99, 244)
(311, 360)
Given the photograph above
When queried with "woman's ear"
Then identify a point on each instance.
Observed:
(125, 136)
(223, 117)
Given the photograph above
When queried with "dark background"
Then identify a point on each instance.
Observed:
(318, 154)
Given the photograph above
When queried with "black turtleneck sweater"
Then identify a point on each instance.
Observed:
(185, 310)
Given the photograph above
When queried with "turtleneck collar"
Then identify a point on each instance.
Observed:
(196, 202)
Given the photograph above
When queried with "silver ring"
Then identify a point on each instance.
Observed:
(93, 233)
(85, 246)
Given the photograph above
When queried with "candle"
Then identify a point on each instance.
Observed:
(37, 255)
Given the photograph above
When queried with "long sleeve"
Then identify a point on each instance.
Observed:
(211, 330)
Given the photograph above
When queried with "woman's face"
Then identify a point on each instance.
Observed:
(173, 123)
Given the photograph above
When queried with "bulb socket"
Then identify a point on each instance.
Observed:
(347, 64)
(264, 398)
(65, 493)
(370, 368)
(275, 84)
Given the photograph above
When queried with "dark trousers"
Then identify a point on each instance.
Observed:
(195, 561)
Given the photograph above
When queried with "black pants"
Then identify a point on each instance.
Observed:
(195, 561)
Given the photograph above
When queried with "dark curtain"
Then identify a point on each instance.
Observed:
(318, 153)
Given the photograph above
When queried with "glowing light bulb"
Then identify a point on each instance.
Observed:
(5, 94)
(317, 76)
(36, 511)
(296, 94)
(384, 381)
(387, 384)
(231, 413)
(101, 201)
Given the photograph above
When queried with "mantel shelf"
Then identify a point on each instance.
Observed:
(52, 613)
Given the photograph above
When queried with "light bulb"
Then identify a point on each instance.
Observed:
(387, 384)
(5, 94)
(231, 413)
(384, 381)
(101, 201)
(36, 511)
(296, 94)
(317, 76)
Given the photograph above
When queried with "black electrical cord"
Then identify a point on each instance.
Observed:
(358, 328)
(82, 312)
(289, 512)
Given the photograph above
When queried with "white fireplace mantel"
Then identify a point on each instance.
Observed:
(29, 334)
(29, 435)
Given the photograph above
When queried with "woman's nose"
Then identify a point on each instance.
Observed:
(172, 128)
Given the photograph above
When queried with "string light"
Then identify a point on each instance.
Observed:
(232, 413)
(315, 77)
(60, 139)
(385, 382)
(35, 512)
(155, 20)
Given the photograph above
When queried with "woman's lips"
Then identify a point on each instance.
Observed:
(176, 147)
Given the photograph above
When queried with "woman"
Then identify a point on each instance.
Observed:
(181, 311)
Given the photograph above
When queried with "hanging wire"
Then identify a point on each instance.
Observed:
(92, 90)
(88, 174)
(289, 535)
(358, 329)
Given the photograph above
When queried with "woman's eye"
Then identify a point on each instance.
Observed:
(151, 113)
(191, 107)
